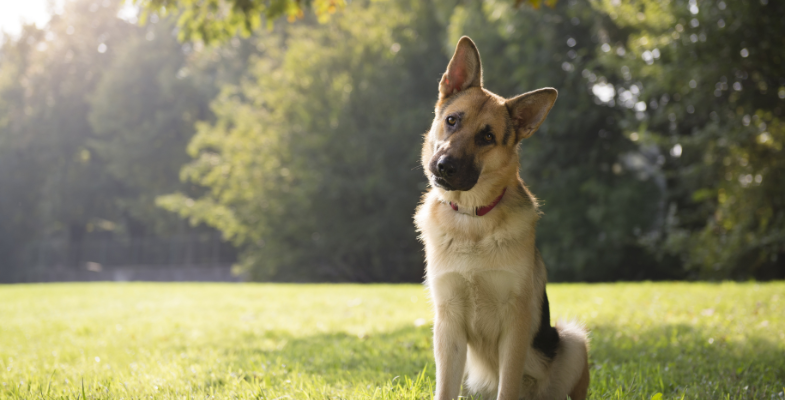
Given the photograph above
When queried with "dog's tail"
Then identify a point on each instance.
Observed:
(569, 370)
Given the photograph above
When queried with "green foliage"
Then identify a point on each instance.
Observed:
(95, 114)
(662, 159)
(311, 165)
(50, 179)
(709, 78)
(142, 113)
(213, 21)
(312, 162)
(592, 209)
(217, 20)
(167, 341)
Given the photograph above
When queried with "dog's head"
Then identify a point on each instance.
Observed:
(475, 134)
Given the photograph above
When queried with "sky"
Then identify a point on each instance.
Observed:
(14, 12)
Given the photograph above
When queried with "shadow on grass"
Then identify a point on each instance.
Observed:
(372, 359)
(679, 361)
(674, 360)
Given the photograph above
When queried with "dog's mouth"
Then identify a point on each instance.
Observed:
(446, 185)
(441, 183)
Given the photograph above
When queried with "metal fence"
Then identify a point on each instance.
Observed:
(191, 257)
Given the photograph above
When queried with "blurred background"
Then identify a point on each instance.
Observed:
(230, 140)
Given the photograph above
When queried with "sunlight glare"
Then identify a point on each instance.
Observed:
(14, 14)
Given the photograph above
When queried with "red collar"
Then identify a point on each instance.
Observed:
(480, 211)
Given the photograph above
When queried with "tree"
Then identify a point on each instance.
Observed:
(594, 210)
(55, 180)
(218, 20)
(142, 113)
(703, 85)
(312, 163)
(95, 113)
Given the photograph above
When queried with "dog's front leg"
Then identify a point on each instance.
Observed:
(449, 347)
(513, 346)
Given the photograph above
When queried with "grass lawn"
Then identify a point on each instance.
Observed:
(270, 341)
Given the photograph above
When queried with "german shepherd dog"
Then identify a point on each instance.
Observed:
(492, 330)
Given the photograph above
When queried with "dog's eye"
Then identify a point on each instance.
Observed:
(451, 120)
(488, 137)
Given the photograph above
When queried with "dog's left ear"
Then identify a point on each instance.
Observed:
(464, 70)
(529, 110)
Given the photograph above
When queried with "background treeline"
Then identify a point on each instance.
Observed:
(662, 159)
(95, 115)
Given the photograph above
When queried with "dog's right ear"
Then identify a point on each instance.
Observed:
(529, 110)
(464, 70)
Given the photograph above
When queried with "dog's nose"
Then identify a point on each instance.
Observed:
(446, 166)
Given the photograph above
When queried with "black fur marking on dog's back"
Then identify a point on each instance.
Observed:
(547, 338)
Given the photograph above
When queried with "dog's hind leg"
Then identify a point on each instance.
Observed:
(581, 389)
(568, 373)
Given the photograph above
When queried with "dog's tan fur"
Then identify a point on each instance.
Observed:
(485, 275)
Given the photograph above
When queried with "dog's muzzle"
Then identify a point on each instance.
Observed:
(452, 173)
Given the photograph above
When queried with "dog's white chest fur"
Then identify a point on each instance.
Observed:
(473, 272)
(480, 300)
